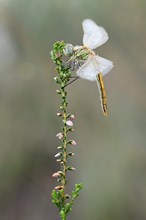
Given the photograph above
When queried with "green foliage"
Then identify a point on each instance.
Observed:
(75, 193)
(64, 73)
(58, 199)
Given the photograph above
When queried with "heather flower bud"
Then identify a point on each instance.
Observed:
(59, 147)
(67, 196)
(58, 160)
(70, 129)
(57, 174)
(73, 142)
(69, 123)
(59, 180)
(59, 135)
(59, 114)
(71, 168)
(59, 187)
(71, 154)
(56, 79)
(58, 154)
(72, 117)
(58, 91)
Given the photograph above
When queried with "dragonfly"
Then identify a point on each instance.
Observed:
(88, 64)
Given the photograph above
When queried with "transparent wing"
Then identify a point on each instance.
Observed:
(94, 66)
(88, 70)
(103, 65)
(94, 35)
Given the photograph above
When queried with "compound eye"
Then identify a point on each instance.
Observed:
(68, 50)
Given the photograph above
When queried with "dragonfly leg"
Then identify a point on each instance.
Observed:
(68, 63)
(74, 79)
(73, 65)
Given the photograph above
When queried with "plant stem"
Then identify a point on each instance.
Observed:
(64, 104)
(59, 195)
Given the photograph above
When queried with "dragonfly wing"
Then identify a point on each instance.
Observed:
(88, 70)
(94, 66)
(103, 65)
(94, 35)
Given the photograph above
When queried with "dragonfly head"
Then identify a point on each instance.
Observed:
(68, 50)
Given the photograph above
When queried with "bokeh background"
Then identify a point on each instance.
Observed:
(111, 152)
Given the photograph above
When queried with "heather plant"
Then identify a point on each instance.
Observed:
(60, 197)
(88, 66)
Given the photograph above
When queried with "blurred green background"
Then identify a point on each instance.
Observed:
(111, 152)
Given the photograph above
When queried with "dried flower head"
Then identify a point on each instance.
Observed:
(59, 187)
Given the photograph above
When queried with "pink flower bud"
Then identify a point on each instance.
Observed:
(72, 117)
(69, 123)
(73, 142)
(72, 168)
(57, 174)
(59, 135)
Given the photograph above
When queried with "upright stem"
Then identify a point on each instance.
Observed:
(59, 196)
(64, 130)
